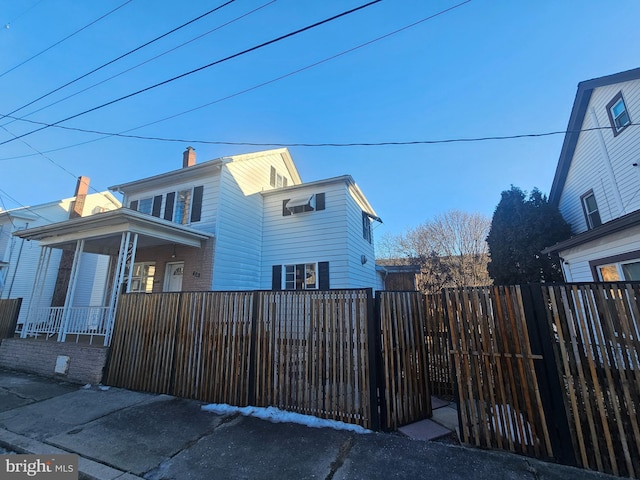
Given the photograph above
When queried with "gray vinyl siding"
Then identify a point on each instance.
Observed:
(588, 171)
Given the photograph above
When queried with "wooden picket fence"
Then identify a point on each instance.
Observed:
(441, 375)
(500, 403)
(9, 311)
(404, 352)
(597, 346)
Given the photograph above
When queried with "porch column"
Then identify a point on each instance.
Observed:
(124, 268)
(68, 301)
(36, 290)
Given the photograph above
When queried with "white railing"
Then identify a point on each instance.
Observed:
(60, 321)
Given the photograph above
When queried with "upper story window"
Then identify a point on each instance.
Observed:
(183, 206)
(367, 234)
(618, 114)
(276, 180)
(590, 207)
(304, 203)
(181, 209)
(144, 205)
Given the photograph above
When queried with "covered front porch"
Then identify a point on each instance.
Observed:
(122, 235)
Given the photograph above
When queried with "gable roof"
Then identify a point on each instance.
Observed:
(579, 110)
(194, 171)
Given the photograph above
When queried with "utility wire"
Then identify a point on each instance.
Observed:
(135, 66)
(255, 87)
(121, 56)
(65, 38)
(24, 206)
(199, 69)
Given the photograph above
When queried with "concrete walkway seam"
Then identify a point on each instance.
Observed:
(87, 469)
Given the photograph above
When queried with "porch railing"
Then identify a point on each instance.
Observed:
(83, 322)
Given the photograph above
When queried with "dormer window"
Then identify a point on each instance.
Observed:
(618, 114)
(590, 208)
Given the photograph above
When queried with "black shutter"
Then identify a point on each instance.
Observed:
(196, 204)
(319, 201)
(134, 205)
(285, 210)
(276, 277)
(323, 275)
(168, 206)
(272, 177)
(157, 204)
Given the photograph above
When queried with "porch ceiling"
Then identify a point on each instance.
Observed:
(102, 232)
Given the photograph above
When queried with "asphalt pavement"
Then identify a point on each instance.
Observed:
(124, 435)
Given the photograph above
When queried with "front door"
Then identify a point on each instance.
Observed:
(173, 277)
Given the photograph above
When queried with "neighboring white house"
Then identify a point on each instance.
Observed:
(19, 257)
(236, 223)
(597, 181)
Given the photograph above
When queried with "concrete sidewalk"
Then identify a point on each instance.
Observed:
(124, 435)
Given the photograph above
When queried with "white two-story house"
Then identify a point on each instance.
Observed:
(597, 181)
(245, 222)
(19, 258)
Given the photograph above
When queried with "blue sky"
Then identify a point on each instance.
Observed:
(485, 68)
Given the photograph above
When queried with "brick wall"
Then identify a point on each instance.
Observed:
(198, 264)
(86, 362)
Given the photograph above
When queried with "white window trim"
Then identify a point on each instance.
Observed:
(618, 266)
(140, 278)
(293, 266)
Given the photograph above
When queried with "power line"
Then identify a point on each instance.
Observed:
(121, 56)
(65, 38)
(24, 206)
(255, 87)
(335, 144)
(199, 69)
(135, 66)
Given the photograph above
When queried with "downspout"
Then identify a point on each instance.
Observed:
(607, 163)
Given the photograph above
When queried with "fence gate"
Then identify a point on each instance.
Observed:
(500, 403)
(404, 360)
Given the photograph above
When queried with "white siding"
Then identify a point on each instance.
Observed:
(238, 253)
(210, 195)
(92, 280)
(577, 259)
(331, 235)
(588, 169)
(23, 256)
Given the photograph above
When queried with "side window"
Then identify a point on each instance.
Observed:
(590, 208)
(144, 205)
(618, 114)
(366, 228)
(277, 180)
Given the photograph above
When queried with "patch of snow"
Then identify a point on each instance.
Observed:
(86, 387)
(103, 388)
(275, 415)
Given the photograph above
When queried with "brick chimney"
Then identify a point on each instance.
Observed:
(189, 157)
(82, 189)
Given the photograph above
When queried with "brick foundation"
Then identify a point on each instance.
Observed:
(86, 362)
